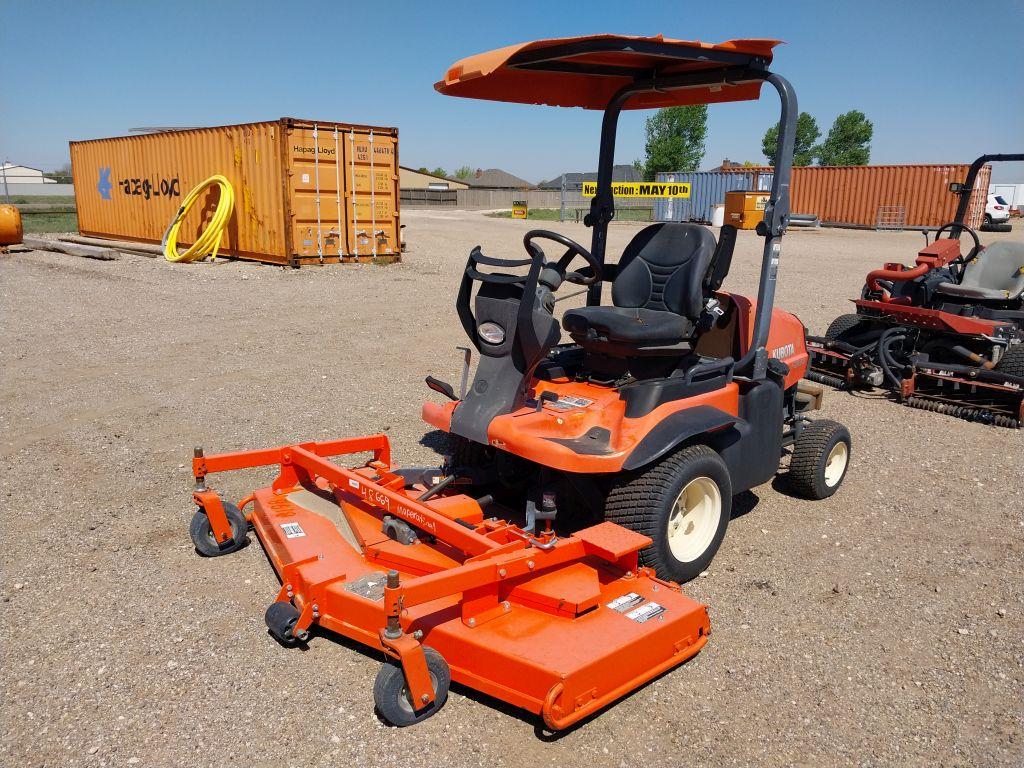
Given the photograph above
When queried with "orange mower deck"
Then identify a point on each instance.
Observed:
(560, 627)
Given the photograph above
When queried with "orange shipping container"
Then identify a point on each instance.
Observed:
(864, 195)
(305, 192)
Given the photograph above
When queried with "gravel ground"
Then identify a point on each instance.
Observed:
(884, 626)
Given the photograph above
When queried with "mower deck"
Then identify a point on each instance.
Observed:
(557, 626)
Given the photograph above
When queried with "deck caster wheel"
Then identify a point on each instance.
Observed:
(281, 619)
(683, 503)
(821, 456)
(391, 694)
(202, 534)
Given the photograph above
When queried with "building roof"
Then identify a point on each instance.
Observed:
(622, 172)
(730, 166)
(495, 178)
(427, 173)
(8, 166)
(411, 178)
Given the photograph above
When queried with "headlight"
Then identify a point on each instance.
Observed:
(492, 333)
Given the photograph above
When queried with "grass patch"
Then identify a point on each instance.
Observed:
(540, 214)
(43, 223)
(30, 199)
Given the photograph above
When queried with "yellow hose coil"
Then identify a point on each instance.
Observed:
(207, 243)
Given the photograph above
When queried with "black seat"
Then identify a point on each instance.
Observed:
(658, 291)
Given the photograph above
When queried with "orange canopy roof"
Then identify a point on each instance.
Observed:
(587, 71)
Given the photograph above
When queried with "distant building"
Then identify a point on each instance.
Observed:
(619, 173)
(22, 174)
(731, 166)
(495, 178)
(409, 178)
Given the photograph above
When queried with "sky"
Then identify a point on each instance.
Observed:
(942, 81)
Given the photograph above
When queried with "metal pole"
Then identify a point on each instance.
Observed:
(3, 169)
(316, 181)
(337, 185)
(772, 228)
(561, 211)
(373, 200)
(355, 213)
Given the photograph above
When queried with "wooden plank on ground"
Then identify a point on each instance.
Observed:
(141, 249)
(72, 249)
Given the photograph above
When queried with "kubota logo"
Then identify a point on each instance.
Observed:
(786, 350)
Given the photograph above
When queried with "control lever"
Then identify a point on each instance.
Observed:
(441, 387)
(467, 358)
(546, 397)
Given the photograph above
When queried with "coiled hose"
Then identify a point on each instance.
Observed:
(208, 243)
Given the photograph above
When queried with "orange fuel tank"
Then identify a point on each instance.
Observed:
(11, 231)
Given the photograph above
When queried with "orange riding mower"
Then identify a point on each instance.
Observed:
(540, 564)
(945, 335)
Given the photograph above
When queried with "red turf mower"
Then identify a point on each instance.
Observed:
(946, 335)
(615, 457)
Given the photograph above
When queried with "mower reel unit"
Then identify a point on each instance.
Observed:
(945, 335)
(585, 480)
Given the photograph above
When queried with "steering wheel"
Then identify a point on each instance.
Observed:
(572, 250)
(960, 229)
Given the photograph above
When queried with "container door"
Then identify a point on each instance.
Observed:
(318, 206)
(372, 226)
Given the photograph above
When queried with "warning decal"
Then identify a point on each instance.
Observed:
(624, 603)
(292, 530)
(645, 612)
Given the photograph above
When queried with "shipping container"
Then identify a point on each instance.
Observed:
(870, 196)
(306, 192)
(707, 189)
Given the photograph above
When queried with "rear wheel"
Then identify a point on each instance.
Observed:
(821, 456)
(844, 326)
(683, 503)
(1012, 361)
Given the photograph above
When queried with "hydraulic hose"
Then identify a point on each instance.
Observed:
(887, 362)
(208, 243)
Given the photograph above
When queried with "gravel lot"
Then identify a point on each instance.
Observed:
(884, 626)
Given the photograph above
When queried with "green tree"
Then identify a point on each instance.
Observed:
(422, 169)
(62, 175)
(439, 171)
(676, 138)
(848, 141)
(464, 172)
(804, 148)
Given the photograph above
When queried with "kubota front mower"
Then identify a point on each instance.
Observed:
(945, 335)
(540, 564)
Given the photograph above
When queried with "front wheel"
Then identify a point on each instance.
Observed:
(821, 456)
(683, 503)
(391, 693)
(206, 544)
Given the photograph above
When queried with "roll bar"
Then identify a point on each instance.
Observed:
(967, 188)
(754, 363)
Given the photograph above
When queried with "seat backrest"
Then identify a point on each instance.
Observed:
(664, 267)
(1000, 267)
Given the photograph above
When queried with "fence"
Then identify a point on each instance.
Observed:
(428, 198)
(573, 205)
(34, 190)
